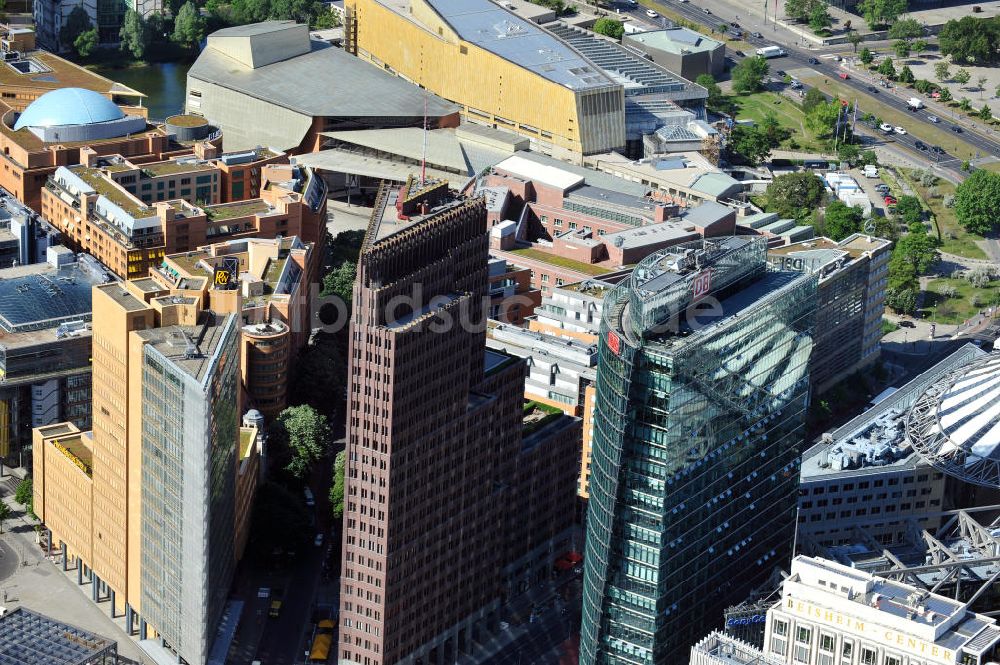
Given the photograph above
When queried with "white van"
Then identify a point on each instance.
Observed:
(870, 171)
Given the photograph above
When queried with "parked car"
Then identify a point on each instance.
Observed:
(934, 119)
(275, 611)
(651, 14)
(920, 145)
(757, 35)
(885, 127)
(890, 200)
(781, 73)
(796, 84)
(899, 130)
(957, 129)
(740, 54)
(318, 541)
(882, 187)
(907, 324)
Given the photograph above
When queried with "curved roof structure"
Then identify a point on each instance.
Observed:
(69, 106)
(955, 424)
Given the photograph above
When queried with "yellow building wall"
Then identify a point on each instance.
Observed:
(115, 453)
(589, 400)
(69, 499)
(507, 94)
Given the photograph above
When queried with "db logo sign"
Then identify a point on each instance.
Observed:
(614, 342)
(702, 284)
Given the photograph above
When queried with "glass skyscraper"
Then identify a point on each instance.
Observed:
(702, 387)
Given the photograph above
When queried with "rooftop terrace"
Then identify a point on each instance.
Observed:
(226, 211)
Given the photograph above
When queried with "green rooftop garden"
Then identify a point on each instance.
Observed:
(569, 264)
(233, 210)
(112, 191)
(537, 416)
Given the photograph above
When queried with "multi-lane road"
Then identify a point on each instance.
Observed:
(719, 12)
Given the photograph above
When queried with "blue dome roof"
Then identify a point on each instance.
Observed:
(68, 106)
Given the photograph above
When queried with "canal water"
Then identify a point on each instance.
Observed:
(164, 84)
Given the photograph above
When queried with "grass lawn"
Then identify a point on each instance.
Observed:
(960, 308)
(757, 105)
(871, 104)
(954, 238)
(990, 166)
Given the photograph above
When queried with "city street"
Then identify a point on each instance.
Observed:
(711, 13)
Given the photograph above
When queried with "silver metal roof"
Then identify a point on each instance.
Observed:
(955, 423)
(324, 82)
(499, 31)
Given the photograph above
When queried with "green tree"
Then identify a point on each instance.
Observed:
(795, 195)
(716, 102)
(85, 43)
(749, 144)
(985, 113)
(134, 34)
(306, 433)
(981, 84)
(965, 104)
(24, 492)
(340, 281)
(325, 18)
(849, 153)
(908, 209)
(887, 69)
(919, 46)
(962, 76)
(921, 85)
(823, 119)
(798, 9)
(819, 17)
(337, 488)
(5, 514)
(841, 220)
(906, 75)
(941, 71)
(320, 374)
(814, 97)
(748, 75)
(866, 56)
(878, 13)
(609, 27)
(902, 48)
(901, 301)
(906, 28)
(977, 201)
(854, 39)
(917, 250)
(77, 22)
(971, 39)
(945, 95)
(189, 26)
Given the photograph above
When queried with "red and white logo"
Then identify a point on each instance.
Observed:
(614, 343)
(702, 284)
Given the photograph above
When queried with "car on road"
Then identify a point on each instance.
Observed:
(651, 14)
(837, 58)
(813, 61)
(781, 73)
(934, 119)
(740, 54)
(734, 24)
(957, 129)
(796, 85)
(872, 89)
(907, 324)
(920, 145)
(938, 149)
(706, 10)
(318, 541)
(885, 127)
(275, 611)
(756, 35)
(844, 75)
(899, 130)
